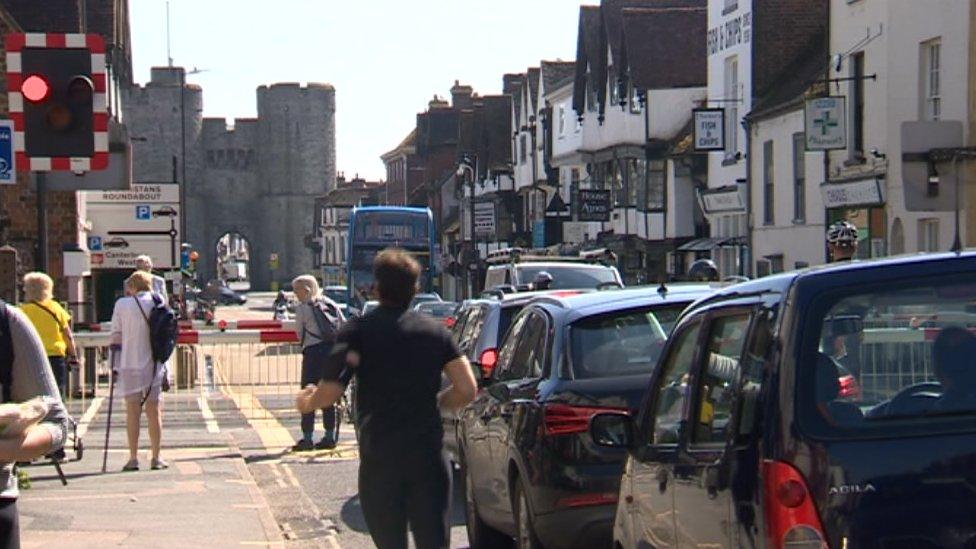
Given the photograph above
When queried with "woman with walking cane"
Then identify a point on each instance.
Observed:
(140, 379)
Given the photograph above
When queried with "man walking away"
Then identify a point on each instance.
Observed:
(398, 357)
(144, 263)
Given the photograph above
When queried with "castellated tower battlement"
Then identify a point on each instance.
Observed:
(257, 176)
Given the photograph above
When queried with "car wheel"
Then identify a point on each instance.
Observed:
(525, 538)
(480, 535)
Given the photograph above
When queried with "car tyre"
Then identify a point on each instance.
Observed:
(480, 535)
(525, 531)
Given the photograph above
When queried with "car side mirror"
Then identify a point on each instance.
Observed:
(612, 430)
(500, 391)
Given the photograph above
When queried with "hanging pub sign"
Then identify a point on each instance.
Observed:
(594, 205)
(709, 129)
(826, 123)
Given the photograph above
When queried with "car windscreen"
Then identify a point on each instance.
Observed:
(894, 360)
(565, 277)
(626, 342)
(440, 309)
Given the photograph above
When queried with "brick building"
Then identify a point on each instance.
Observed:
(65, 212)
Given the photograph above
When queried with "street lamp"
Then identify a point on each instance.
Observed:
(465, 166)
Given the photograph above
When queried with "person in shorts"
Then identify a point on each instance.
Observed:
(139, 378)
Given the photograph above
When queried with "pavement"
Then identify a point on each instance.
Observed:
(232, 481)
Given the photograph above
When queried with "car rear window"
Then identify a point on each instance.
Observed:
(565, 277)
(621, 343)
(895, 360)
(439, 309)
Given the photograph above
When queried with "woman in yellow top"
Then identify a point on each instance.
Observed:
(53, 324)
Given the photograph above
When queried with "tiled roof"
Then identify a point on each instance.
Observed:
(665, 49)
(590, 52)
(533, 83)
(557, 73)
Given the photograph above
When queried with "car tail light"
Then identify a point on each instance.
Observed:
(563, 419)
(849, 387)
(565, 293)
(791, 517)
(487, 360)
(449, 322)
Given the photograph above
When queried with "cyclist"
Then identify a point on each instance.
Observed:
(703, 270)
(842, 241)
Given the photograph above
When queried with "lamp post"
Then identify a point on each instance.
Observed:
(465, 166)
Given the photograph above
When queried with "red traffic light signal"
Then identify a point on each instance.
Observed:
(58, 103)
(35, 88)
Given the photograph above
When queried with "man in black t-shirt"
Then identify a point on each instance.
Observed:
(398, 357)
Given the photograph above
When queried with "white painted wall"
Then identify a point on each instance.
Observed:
(718, 174)
(895, 96)
(669, 110)
(795, 241)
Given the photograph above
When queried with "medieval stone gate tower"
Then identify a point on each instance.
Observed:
(258, 177)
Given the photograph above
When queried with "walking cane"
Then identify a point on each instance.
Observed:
(112, 357)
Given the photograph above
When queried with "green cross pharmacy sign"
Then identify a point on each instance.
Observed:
(826, 123)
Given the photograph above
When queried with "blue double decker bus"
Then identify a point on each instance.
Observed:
(375, 228)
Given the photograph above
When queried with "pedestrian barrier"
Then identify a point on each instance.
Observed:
(258, 370)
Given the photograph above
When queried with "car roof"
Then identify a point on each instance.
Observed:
(782, 282)
(550, 264)
(592, 303)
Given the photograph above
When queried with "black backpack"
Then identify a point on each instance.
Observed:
(328, 318)
(163, 328)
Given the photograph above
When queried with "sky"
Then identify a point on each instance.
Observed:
(386, 58)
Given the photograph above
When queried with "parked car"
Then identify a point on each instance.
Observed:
(441, 310)
(518, 269)
(749, 435)
(339, 294)
(223, 295)
(423, 298)
(530, 469)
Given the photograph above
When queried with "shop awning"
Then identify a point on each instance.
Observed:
(703, 244)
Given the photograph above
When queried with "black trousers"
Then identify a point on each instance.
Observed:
(313, 362)
(409, 487)
(9, 524)
(59, 365)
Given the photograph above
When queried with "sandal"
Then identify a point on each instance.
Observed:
(131, 465)
(158, 464)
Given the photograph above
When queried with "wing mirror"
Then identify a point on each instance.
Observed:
(612, 430)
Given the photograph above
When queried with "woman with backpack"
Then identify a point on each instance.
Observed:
(52, 323)
(317, 320)
(140, 379)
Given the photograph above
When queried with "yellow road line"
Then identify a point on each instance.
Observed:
(273, 435)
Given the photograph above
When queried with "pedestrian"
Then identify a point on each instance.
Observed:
(842, 241)
(53, 324)
(317, 319)
(22, 356)
(140, 379)
(144, 263)
(398, 357)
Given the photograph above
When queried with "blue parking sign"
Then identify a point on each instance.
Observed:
(143, 212)
(94, 243)
(8, 172)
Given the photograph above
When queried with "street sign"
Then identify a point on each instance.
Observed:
(709, 129)
(95, 243)
(143, 219)
(826, 123)
(8, 167)
(484, 218)
(593, 205)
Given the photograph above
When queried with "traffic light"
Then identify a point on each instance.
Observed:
(56, 84)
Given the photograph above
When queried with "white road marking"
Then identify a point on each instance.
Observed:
(207, 413)
(89, 415)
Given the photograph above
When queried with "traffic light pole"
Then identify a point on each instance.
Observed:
(41, 258)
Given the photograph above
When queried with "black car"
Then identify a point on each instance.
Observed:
(478, 331)
(223, 295)
(752, 433)
(530, 468)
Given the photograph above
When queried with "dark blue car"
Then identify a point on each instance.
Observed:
(530, 469)
(832, 407)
